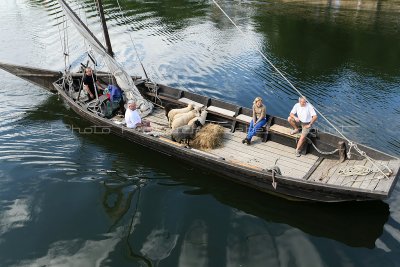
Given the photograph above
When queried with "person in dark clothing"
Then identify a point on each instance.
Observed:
(90, 82)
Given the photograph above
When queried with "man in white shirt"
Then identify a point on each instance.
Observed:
(133, 119)
(302, 114)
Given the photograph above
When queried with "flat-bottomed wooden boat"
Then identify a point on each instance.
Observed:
(313, 176)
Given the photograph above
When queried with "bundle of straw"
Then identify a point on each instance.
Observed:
(209, 137)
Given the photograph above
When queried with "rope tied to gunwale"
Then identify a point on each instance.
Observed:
(361, 170)
(320, 151)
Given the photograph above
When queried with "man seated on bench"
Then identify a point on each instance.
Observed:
(133, 119)
(305, 118)
(258, 121)
(91, 84)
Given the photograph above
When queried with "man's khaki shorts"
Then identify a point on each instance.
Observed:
(304, 130)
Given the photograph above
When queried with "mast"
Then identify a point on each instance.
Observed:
(105, 29)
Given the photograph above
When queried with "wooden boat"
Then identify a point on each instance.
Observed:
(313, 176)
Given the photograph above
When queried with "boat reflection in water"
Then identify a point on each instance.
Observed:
(164, 224)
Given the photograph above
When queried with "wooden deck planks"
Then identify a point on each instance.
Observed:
(359, 179)
(266, 159)
(337, 178)
(384, 184)
(271, 146)
(248, 160)
(270, 155)
(328, 172)
(326, 168)
(158, 121)
(284, 131)
(261, 156)
(331, 172)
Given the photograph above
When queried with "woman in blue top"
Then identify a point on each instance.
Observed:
(258, 121)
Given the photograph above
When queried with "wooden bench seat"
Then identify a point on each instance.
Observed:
(189, 101)
(244, 118)
(282, 130)
(285, 131)
(221, 111)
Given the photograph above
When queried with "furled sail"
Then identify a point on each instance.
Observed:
(123, 79)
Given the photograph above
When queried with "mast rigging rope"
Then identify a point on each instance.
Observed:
(133, 44)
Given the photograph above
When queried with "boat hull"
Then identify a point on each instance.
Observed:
(257, 178)
(260, 180)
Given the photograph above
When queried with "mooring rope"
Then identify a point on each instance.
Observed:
(361, 170)
(351, 144)
(320, 151)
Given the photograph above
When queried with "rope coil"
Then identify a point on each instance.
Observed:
(361, 170)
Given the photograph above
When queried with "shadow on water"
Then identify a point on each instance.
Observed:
(52, 108)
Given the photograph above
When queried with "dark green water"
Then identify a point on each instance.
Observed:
(73, 199)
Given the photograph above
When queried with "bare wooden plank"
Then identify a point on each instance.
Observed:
(266, 154)
(274, 148)
(336, 178)
(231, 154)
(258, 142)
(313, 168)
(359, 179)
(158, 121)
(319, 174)
(171, 142)
(366, 182)
(189, 101)
(261, 150)
(349, 180)
(244, 118)
(240, 163)
(218, 110)
(284, 131)
(329, 171)
(376, 179)
(315, 176)
(281, 147)
(384, 184)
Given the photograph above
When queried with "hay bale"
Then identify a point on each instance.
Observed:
(209, 137)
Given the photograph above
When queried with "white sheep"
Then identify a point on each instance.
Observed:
(184, 118)
(184, 114)
(201, 118)
(173, 112)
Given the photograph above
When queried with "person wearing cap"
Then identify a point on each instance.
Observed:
(258, 121)
(133, 119)
(302, 114)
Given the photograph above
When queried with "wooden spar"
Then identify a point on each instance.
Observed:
(105, 29)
